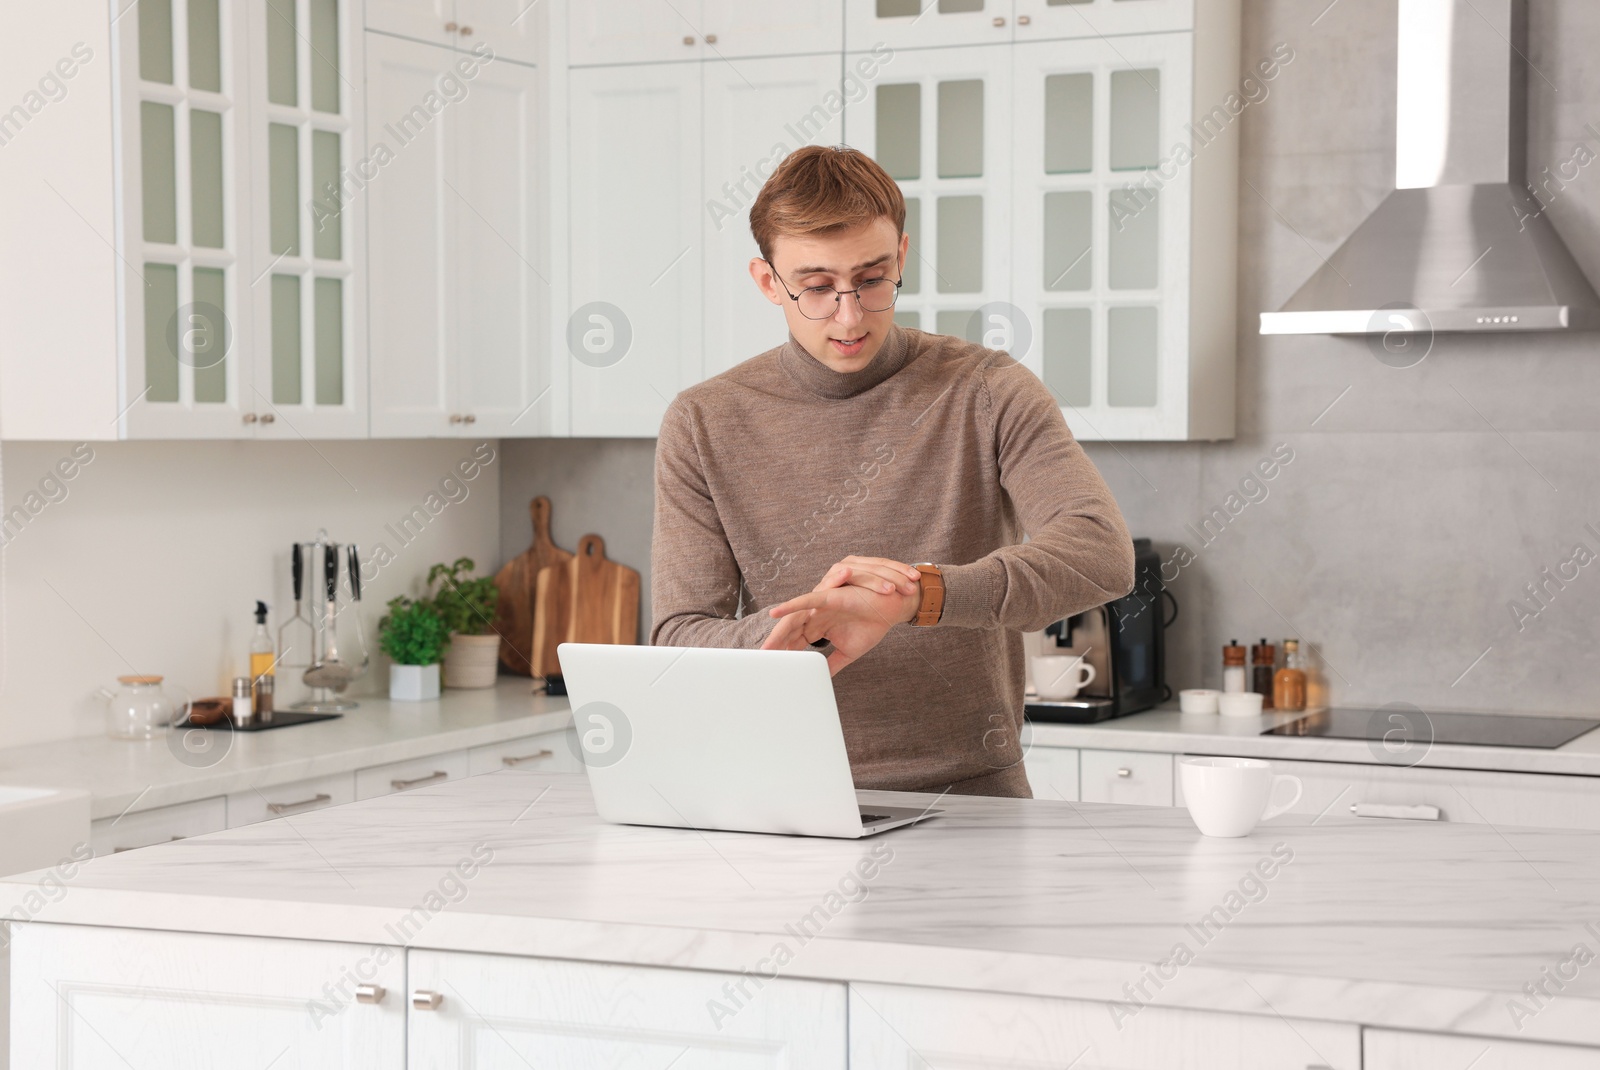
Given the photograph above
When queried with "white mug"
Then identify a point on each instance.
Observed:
(1227, 796)
(1060, 676)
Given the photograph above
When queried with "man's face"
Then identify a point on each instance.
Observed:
(848, 340)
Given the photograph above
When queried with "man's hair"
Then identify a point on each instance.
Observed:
(820, 189)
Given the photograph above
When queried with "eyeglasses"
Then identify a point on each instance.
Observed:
(822, 302)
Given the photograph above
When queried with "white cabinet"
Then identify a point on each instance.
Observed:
(548, 752)
(933, 23)
(376, 780)
(89, 998)
(1388, 1049)
(648, 31)
(1052, 772)
(511, 28)
(457, 266)
(209, 286)
(1072, 201)
(288, 800)
(915, 1027)
(503, 1013)
(1136, 778)
(938, 123)
(142, 828)
(926, 23)
(755, 114)
(660, 296)
(1349, 791)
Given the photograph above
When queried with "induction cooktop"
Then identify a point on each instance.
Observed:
(1407, 724)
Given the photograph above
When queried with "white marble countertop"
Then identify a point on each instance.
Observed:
(1165, 729)
(1406, 924)
(123, 775)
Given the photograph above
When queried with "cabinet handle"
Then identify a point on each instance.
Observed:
(688, 39)
(469, 418)
(1418, 812)
(450, 27)
(515, 760)
(466, 31)
(405, 785)
(370, 993)
(711, 38)
(455, 417)
(119, 850)
(999, 21)
(1024, 20)
(424, 1000)
(1124, 773)
(267, 418)
(249, 417)
(316, 800)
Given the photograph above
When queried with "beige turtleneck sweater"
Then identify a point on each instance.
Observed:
(938, 450)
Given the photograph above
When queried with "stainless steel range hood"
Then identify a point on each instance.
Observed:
(1461, 244)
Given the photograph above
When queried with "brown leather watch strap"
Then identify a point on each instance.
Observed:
(932, 607)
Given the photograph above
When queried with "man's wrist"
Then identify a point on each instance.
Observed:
(930, 589)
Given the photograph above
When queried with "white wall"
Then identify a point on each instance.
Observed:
(152, 556)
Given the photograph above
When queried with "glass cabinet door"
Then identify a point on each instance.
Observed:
(926, 23)
(1101, 225)
(181, 151)
(936, 121)
(307, 174)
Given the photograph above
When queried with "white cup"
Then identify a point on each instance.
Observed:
(1060, 676)
(1227, 796)
(1198, 700)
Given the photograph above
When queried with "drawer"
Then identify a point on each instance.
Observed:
(548, 752)
(286, 800)
(1470, 796)
(1391, 1049)
(901, 1026)
(162, 824)
(1138, 778)
(1052, 772)
(377, 780)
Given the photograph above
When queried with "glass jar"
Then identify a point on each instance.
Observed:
(140, 709)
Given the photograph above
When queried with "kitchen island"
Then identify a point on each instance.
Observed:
(495, 921)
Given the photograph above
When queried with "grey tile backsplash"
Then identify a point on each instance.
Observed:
(1421, 505)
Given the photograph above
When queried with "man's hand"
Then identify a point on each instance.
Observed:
(853, 607)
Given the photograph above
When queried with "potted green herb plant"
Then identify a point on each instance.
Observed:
(467, 606)
(413, 634)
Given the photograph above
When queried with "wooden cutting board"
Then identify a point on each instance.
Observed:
(515, 613)
(588, 599)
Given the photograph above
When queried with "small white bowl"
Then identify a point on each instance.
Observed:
(1240, 703)
(1198, 700)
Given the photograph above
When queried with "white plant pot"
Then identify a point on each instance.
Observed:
(414, 683)
(472, 661)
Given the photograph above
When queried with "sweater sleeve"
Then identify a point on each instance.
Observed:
(1079, 554)
(694, 577)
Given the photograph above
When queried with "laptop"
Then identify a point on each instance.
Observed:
(733, 740)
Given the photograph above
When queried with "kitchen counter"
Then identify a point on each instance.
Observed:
(123, 775)
(1164, 729)
(1406, 924)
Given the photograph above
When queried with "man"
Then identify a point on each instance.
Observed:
(813, 484)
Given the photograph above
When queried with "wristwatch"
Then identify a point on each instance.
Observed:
(932, 606)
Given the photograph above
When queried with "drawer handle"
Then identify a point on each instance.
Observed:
(518, 759)
(424, 1000)
(1419, 812)
(1024, 20)
(999, 22)
(119, 850)
(1124, 772)
(370, 993)
(406, 785)
(283, 808)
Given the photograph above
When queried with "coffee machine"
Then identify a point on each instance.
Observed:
(1123, 641)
